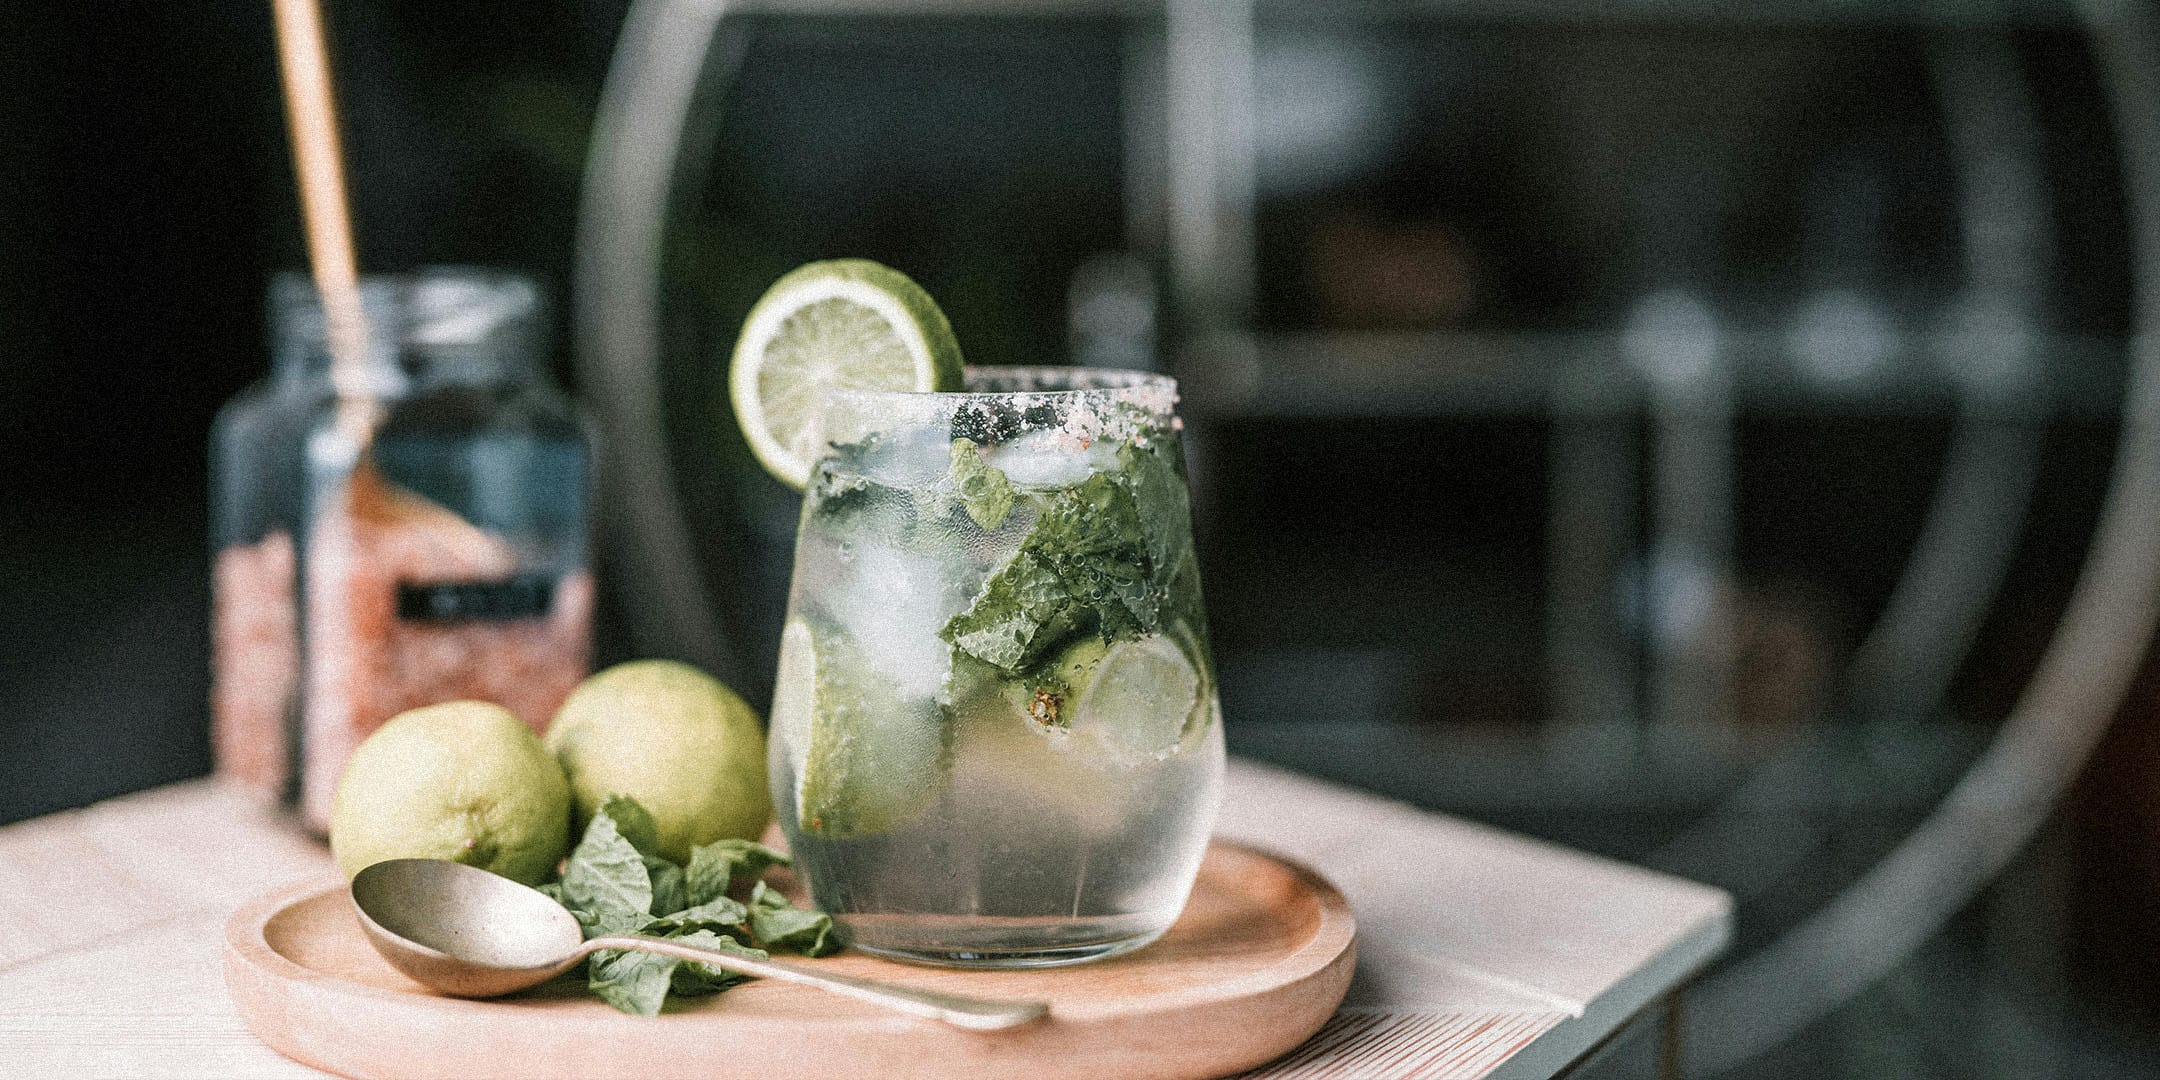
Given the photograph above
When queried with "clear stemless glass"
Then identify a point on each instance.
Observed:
(995, 736)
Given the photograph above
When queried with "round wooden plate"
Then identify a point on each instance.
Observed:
(1257, 962)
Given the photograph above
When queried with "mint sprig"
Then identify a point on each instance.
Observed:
(1105, 557)
(716, 866)
(605, 882)
(776, 922)
(984, 492)
(613, 883)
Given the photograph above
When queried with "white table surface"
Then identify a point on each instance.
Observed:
(1480, 954)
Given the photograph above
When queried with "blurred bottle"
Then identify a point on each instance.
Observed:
(257, 488)
(1110, 309)
(446, 558)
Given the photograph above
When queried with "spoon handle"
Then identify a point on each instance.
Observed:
(960, 1010)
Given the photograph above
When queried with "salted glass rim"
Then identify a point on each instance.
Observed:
(1086, 403)
(1050, 382)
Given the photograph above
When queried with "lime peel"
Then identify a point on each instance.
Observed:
(465, 781)
(678, 741)
(824, 326)
(864, 758)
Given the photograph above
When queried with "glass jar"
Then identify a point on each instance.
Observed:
(437, 551)
(257, 482)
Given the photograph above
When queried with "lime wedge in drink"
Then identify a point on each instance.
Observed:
(839, 324)
(1131, 697)
(867, 759)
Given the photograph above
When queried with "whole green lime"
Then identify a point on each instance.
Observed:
(465, 781)
(673, 738)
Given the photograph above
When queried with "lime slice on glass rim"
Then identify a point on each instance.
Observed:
(839, 324)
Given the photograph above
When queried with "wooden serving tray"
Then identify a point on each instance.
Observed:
(1258, 961)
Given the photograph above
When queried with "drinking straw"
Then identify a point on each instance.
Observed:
(311, 113)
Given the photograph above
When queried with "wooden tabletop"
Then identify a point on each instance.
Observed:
(1481, 954)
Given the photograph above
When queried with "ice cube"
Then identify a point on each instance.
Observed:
(892, 604)
(908, 457)
(1050, 459)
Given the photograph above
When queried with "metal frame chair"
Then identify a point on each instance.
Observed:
(644, 132)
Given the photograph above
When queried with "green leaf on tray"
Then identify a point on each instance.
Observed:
(806, 932)
(606, 877)
(633, 981)
(613, 888)
(633, 822)
(779, 924)
(697, 978)
(719, 913)
(714, 867)
(669, 893)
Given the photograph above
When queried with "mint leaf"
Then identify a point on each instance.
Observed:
(700, 978)
(632, 980)
(639, 982)
(707, 877)
(1087, 564)
(1155, 471)
(719, 913)
(1155, 475)
(1006, 625)
(610, 887)
(777, 923)
(668, 890)
(587, 923)
(633, 821)
(592, 925)
(606, 878)
(1096, 539)
(715, 866)
(838, 489)
(807, 932)
(984, 491)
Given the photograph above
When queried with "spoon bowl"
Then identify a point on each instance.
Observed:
(470, 933)
(463, 930)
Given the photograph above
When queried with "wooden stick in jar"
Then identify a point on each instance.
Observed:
(311, 112)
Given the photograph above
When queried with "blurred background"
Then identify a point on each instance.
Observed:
(1690, 436)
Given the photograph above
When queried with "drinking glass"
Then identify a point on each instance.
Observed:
(995, 734)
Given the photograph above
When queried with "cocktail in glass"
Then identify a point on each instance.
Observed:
(995, 736)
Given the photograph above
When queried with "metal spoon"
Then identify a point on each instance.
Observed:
(470, 933)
